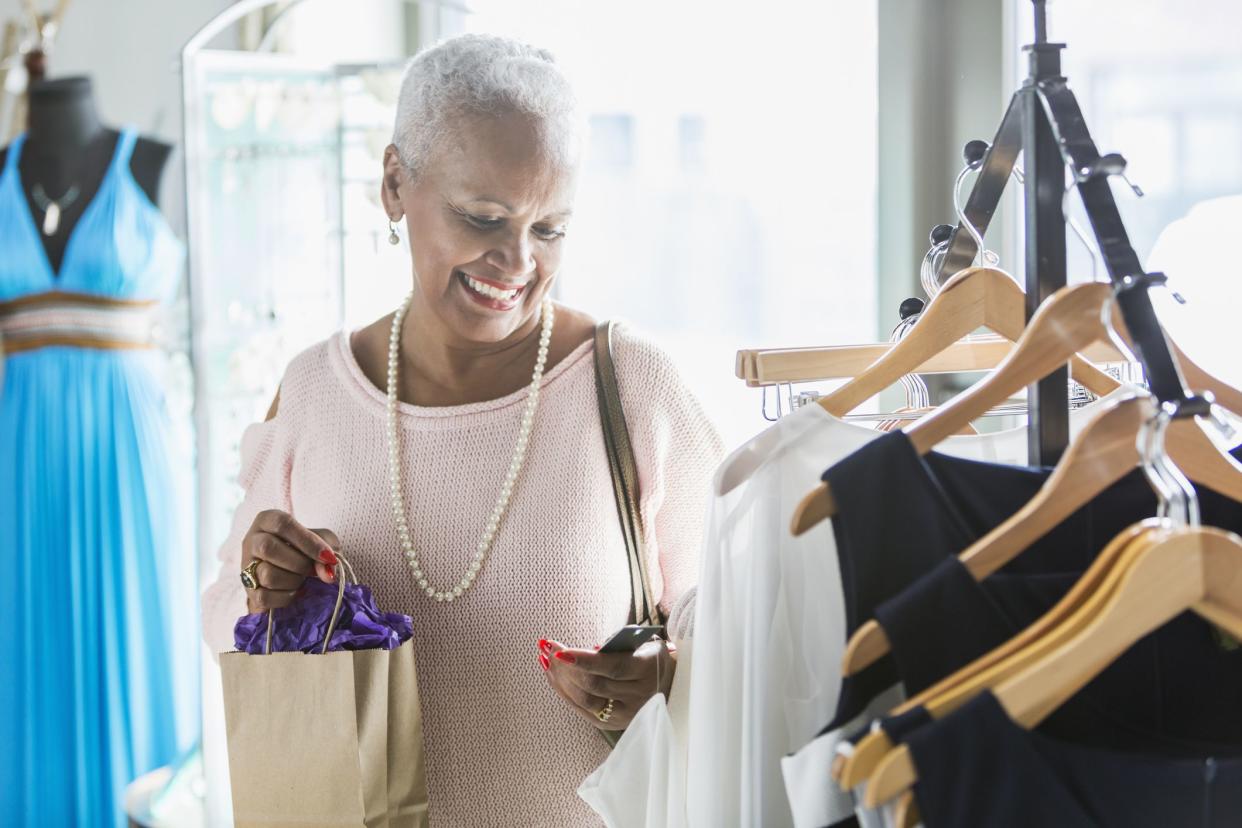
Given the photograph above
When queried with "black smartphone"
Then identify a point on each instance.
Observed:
(628, 639)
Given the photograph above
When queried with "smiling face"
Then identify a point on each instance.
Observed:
(486, 218)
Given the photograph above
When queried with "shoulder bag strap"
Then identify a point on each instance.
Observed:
(624, 470)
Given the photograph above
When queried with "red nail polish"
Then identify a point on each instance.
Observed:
(331, 572)
(543, 662)
(544, 645)
(564, 656)
(327, 556)
(597, 649)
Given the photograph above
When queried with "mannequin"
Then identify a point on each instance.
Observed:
(69, 147)
(93, 497)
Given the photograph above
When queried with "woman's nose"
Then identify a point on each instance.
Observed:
(515, 257)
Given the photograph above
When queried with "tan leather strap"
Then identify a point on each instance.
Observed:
(624, 471)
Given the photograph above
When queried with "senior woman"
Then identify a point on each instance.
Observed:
(501, 537)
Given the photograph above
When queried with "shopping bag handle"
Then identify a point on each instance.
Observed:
(336, 610)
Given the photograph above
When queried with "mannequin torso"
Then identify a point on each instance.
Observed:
(67, 146)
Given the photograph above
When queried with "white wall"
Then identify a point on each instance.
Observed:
(131, 48)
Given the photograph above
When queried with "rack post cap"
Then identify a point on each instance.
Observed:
(973, 153)
(909, 307)
(940, 234)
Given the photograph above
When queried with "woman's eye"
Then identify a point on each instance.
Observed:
(485, 223)
(488, 223)
(549, 233)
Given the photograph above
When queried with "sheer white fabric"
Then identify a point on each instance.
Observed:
(643, 781)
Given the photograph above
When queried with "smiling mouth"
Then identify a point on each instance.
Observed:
(493, 294)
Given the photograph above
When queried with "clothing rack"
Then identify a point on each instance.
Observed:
(1045, 124)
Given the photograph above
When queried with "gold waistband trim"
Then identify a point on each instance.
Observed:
(69, 299)
(10, 347)
(74, 320)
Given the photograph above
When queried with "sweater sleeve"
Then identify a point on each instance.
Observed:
(266, 463)
(676, 448)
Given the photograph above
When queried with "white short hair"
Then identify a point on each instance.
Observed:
(480, 74)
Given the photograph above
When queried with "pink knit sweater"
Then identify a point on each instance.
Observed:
(502, 747)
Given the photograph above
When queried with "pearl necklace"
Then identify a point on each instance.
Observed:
(506, 489)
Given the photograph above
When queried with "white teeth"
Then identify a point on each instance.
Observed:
(489, 291)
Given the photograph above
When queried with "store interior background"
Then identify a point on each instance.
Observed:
(760, 175)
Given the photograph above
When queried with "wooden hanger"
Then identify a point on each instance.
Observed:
(873, 748)
(1105, 448)
(1069, 321)
(773, 366)
(906, 814)
(998, 663)
(974, 298)
(1161, 573)
(1103, 453)
(1084, 461)
(1197, 379)
(759, 367)
(1062, 326)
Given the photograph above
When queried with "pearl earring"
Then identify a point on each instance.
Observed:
(393, 238)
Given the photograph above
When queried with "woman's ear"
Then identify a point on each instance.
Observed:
(395, 175)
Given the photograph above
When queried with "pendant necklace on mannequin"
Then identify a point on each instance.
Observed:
(53, 208)
(506, 490)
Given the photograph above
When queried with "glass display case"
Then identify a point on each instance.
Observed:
(288, 108)
(264, 165)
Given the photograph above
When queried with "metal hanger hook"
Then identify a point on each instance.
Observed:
(929, 268)
(1144, 441)
(1089, 245)
(763, 404)
(917, 394)
(1186, 498)
(974, 154)
(1189, 495)
(982, 255)
(1106, 317)
(791, 396)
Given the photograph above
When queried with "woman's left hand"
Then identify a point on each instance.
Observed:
(589, 680)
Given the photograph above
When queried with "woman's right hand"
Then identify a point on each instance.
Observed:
(288, 553)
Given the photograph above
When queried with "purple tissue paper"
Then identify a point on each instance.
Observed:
(300, 627)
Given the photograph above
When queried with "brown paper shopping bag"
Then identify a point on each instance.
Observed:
(330, 739)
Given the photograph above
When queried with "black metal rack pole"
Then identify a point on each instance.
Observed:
(1045, 123)
(1092, 172)
(1044, 167)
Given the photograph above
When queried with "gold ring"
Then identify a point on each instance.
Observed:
(248, 577)
(606, 714)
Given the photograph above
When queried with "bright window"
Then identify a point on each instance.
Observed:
(729, 197)
(1165, 90)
